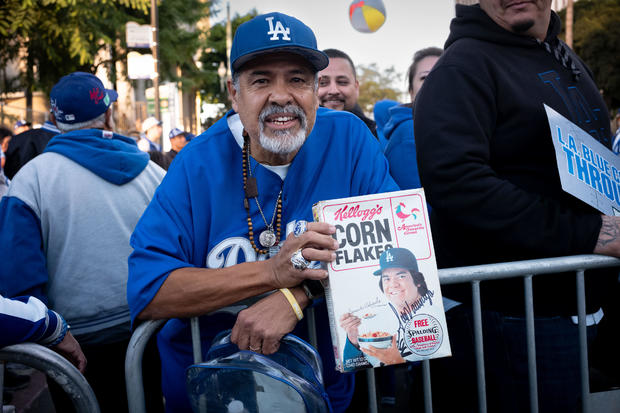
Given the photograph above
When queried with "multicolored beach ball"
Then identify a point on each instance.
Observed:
(367, 15)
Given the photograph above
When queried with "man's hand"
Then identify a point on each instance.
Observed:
(385, 355)
(350, 324)
(71, 350)
(261, 326)
(608, 242)
(316, 244)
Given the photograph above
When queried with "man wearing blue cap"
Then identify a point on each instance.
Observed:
(178, 140)
(219, 229)
(406, 290)
(66, 222)
(21, 126)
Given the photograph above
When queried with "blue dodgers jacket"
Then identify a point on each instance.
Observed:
(197, 219)
(24, 319)
(400, 150)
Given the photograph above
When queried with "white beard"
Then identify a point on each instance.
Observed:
(284, 142)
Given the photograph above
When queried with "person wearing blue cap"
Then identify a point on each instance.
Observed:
(178, 140)
(407, 293)
(21, 126)
(220, 229)
(66, 222)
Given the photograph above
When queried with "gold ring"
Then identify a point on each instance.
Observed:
(254, 349)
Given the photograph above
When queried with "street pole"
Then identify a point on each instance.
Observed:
(228, 40)
(155, 52)
(569, 23)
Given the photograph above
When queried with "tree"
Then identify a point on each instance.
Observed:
(62, 36)
(214, 54)
(375, 85)
(180, 40)
(59, 36)
(596, 39)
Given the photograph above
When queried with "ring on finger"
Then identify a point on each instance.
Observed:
(298, 260)
(255, 349)
(301, 226)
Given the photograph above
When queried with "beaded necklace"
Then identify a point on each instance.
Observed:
(267, 238)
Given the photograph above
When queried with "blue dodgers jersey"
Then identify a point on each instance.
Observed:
(197, 218)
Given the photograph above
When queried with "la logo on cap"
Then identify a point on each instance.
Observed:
(389, 257)
(279, 29)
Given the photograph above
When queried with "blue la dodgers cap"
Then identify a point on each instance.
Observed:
(175, 132)
(20, 123)
(80, 97)
(397, 258)
(275, 32)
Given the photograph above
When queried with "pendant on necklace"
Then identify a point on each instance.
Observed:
(267, 238)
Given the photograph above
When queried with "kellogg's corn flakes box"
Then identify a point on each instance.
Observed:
(382, 293)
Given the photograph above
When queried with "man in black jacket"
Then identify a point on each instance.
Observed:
(339, 87)
(487, 163)
(26, 145)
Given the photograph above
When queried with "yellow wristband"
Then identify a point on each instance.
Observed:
(293, 302)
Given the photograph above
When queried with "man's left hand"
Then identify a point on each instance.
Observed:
(261, 326)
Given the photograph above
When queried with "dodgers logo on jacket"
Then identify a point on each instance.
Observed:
(277, 30)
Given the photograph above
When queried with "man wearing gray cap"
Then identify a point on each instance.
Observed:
(220, 228)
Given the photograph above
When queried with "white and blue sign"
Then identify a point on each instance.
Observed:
(588, 170)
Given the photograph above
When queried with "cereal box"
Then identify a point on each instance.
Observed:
(382, 293)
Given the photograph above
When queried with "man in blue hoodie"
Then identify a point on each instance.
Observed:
(66, 222)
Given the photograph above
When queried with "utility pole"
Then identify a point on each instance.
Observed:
(228, 40)
(155, 52)
(569, 23)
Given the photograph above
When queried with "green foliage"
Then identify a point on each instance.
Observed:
(376, 85)
(180, 40)
(596, 39)
(61, 36)
(215, 53)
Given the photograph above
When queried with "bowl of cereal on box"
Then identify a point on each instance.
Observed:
(378, 339)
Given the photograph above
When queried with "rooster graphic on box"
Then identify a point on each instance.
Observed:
(400, 211)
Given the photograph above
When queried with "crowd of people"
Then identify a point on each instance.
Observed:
(99, 231)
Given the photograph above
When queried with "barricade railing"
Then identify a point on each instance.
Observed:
(526, 270)
(474, 275)
(54, 366)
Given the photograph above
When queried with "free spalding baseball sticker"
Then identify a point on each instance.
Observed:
(423, 334)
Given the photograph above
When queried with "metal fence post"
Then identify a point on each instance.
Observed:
(426, 378)
(58, 368)
(583, 342)
(479, 346)
(133, 364)
(531, 343)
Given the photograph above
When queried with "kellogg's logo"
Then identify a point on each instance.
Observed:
(348, 212)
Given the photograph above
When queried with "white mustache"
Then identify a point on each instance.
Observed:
(277, 110)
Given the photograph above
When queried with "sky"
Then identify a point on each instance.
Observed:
(410, 25)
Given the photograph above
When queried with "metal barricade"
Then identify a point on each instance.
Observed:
(56, 367)
(474, 275)
(526, 270)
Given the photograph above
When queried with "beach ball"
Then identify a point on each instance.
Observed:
(367, 15)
